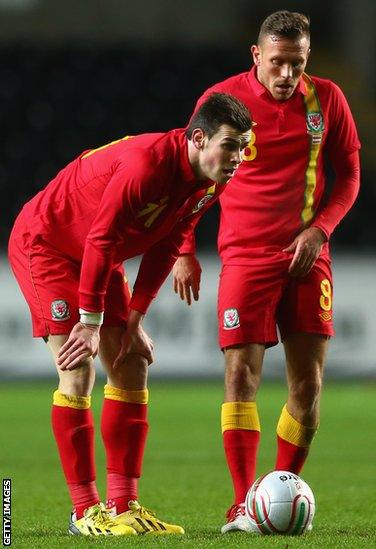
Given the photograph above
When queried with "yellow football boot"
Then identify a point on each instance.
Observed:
(98, 522)
(145, 522)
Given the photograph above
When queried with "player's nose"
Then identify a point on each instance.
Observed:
(237, 158)
(286, 70)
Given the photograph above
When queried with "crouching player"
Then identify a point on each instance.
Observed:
(137, 195)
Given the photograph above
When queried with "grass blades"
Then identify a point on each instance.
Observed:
(185, 479)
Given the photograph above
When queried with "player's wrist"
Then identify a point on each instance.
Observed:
(89, 318)
(321, 232)
(135, 319)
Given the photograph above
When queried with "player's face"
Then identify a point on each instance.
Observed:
(221, 155)
(280, 63)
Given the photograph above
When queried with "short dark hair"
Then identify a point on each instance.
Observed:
(218, 109)
(285, 24)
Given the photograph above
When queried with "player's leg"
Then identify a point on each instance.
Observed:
(73, 428)
(240, 425)
(246, 315)
(124, 417)
(49, 283)
(239, 418)
(299, 420)
(124, 420)
(305, 319)
(124, 432)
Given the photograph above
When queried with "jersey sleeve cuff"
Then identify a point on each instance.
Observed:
(187, 250)
(188, 246)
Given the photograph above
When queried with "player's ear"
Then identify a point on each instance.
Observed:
(197, 138)
(255, 51)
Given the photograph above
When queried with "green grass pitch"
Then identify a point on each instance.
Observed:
(185, 478)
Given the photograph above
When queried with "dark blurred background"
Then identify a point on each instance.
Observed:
(80, 73)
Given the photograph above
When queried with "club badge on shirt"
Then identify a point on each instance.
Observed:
(315, 126)
(60, 310)
(231, 319)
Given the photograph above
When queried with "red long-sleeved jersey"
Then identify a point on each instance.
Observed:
(137, 195)
(279, 188)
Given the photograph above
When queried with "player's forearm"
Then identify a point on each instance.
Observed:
(188, 246)
(155, 266)
(343, 195)
(95, 273)
(135, 319)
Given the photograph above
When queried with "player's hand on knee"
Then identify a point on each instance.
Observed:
(187, 276)
(135, 342)
(82, 343)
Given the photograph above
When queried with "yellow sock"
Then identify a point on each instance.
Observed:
(71, 401)
(294, 432)
(240, 415)
(132, 397)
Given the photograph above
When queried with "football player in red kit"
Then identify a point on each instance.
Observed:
(273, 242)
(136, 195)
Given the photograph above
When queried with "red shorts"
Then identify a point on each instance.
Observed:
(254, 299)
(49, 282)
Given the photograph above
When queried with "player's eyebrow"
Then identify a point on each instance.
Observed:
(232, 140)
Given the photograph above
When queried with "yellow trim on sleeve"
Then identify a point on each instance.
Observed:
(122, 395)
(71, 401)
(294, 432)
(240, 415)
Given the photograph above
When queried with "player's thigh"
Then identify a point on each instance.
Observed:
(49, 282)
(248, 296)
(307, 303)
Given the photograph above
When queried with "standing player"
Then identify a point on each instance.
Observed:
(134, 196)
(273, 242)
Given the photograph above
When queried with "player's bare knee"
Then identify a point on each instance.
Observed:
(242, 378)
(79, 381)
(131, 375)
(306, 392)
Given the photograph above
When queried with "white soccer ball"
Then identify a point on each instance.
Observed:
(280, 503)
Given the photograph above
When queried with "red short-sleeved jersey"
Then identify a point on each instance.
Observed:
(278, 189)
(137, 195)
